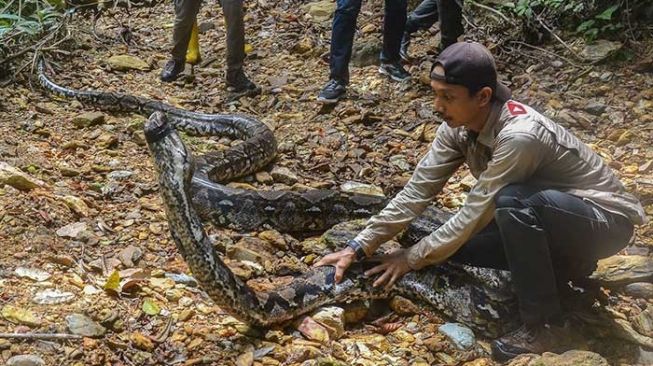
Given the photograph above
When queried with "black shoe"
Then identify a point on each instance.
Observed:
(395, 71)
(239, 83)
(403, 49)
(536, 339)
(171, 70)
(332, 92)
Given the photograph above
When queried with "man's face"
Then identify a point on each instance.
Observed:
(454, 104)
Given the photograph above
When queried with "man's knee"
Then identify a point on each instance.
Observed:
(509, 196)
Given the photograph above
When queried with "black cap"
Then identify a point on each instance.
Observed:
(471, 65)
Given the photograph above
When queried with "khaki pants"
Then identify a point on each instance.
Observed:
(186, 13)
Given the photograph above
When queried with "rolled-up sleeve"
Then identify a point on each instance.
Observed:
(516, 157)
(430, 175)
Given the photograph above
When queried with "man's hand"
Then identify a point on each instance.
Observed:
(341, 260)
(393, 266)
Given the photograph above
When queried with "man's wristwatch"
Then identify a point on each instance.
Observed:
(358, 249)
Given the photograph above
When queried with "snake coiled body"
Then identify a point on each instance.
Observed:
(192, 193)
(240, 209)
(478, 297)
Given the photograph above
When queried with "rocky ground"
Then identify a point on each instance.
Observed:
(86, 250)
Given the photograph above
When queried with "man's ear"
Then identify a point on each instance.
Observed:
(484, 96)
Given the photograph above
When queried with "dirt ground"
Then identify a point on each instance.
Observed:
(99, 177)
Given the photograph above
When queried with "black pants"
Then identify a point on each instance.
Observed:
(344, 27)
(545, 238)
(448, 12)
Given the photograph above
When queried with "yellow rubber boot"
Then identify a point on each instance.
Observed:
(193, 53)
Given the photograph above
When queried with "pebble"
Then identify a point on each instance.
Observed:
(25, 360)
(461, 336)
(85, 326)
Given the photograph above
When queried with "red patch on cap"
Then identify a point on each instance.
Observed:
(516, 108)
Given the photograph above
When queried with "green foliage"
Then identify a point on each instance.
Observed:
(28, 17)
(590, 18)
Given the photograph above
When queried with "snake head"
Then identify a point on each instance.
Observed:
(168, 150)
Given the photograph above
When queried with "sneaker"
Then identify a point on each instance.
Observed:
(239, 83)
(535, 339)
(332, 92)
(403, 49)
(395, 71)
(172, 70)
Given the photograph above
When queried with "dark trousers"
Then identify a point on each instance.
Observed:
(186, 14)
(448, 12)
(344, 27)
(545, 238)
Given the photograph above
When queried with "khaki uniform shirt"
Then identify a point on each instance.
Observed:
(517, 145)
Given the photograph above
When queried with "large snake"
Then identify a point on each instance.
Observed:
(191, 193)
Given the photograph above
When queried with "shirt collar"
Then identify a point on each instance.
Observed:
(487, 134)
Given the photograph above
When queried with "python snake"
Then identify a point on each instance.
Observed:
(192, 193)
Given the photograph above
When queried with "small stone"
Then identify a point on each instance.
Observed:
(642, 290)
(76, 204)
(403, 306)
(283, 175)
(17, 179)
(20, 316)
(52, 297)
(88, 119)
(313, 330)
(643, 322)
(400, 162)
(205, 26)
(127, 62)
(67, 171)
(333, 319)
(264, 177)
(600, 50)
(72, 231)
(275, 238)
(461, 336)
(25, 360)
(130, 255)
(141, 342)
(32, 273)
(182, 279)
(85, 326)
(624, 269)
(595, 108)
(361, 188)
(320, 11)
(120, 174)
(107, 141)
(366, 52)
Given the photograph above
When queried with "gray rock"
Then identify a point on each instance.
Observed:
(366, 53)
(120, 174)
(400, 162)
(624, 269)
(84, 326)
(88, 119)
(205, 26)
(640, 289)
(643, 322)
(361, 188)
(72, 231)
(320, 11)
(461, 336)
(17, 179)
(600, 50)
(595, 108)
(569, 358)
(284, 175)
(127, 62)
(25, 360)
(333, 319)
(182, 278)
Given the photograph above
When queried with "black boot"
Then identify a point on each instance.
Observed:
(537, 339)
(172, 69)
(239, 83)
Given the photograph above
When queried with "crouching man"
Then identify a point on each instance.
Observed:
(545, 206)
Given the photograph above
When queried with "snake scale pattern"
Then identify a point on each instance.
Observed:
(192, 193)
